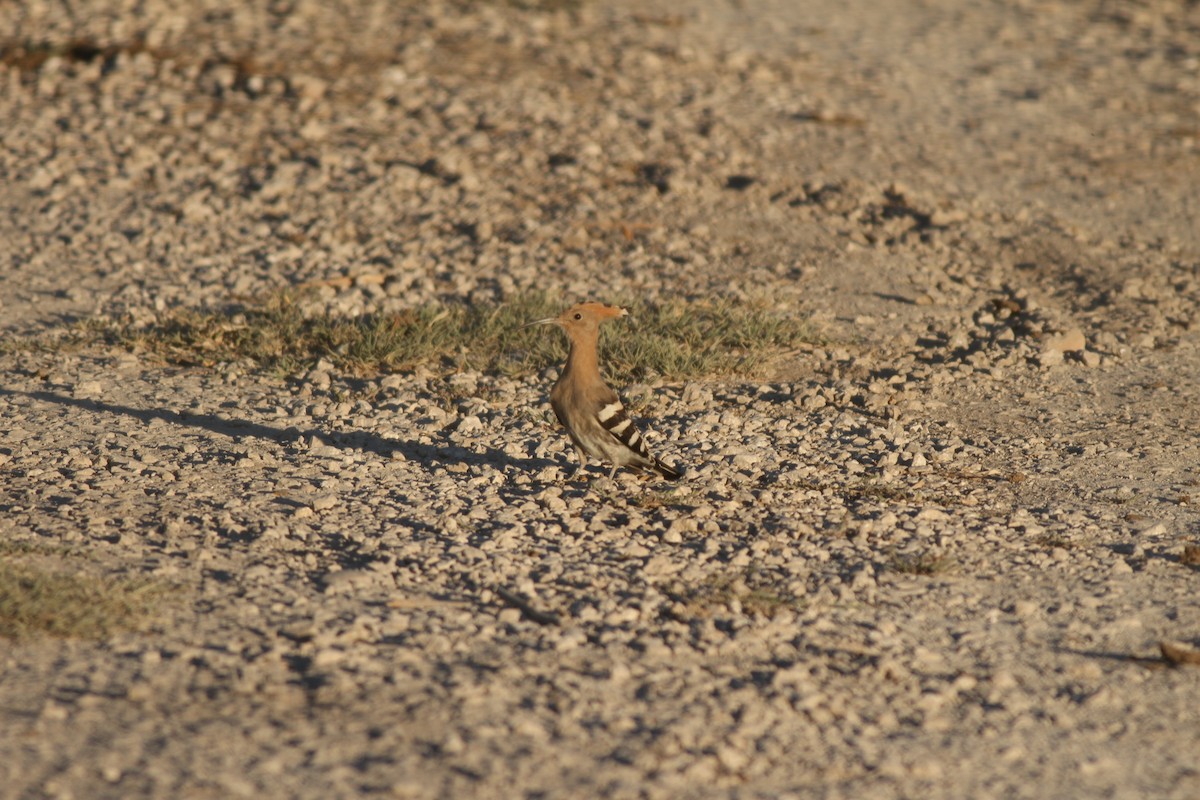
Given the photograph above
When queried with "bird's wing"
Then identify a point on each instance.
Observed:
(614, 419)
(612, 416)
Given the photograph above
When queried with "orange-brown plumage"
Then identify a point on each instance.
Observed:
(591, 412)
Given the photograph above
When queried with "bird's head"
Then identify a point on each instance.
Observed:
(583, 318)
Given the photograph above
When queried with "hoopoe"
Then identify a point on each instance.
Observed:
(591, 412)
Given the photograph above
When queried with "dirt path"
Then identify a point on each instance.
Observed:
(935, 555)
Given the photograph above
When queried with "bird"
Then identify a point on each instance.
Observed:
(591, 412)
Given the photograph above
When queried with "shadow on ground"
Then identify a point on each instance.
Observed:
(429, 454)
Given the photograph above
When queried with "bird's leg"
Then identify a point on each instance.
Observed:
(612, 473)
(578, 473)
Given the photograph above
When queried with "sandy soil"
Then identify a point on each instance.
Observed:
(936, 555)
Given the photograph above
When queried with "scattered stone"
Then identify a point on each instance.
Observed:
(324, 502)
(887, 544)
(1050, 358)
(350, 580)
(1153, 531)
(1068, 342)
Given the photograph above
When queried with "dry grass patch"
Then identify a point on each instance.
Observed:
(34, 547)
(650, 499)
(927, 563)
(647, 499)
(750, 592)
(674, 339)
(1049, 541)
(36, 601)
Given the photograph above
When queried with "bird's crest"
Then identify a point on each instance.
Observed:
(582, 315)
(598, 310)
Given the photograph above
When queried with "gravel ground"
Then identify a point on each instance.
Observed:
(934, 556)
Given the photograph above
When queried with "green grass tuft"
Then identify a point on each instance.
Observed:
(754, 593)
(36, 602)
(927, 563)
(675, 339)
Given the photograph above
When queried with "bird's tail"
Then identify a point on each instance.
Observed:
(670, 473)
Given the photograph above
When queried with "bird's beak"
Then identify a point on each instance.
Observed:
(546, 321)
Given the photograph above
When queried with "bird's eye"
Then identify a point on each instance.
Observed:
(578, 315)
